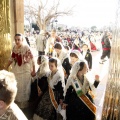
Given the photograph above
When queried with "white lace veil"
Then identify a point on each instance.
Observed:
(79, 55)
(60, 69)
(44, 66)
(63, 53)
(73, 74)
(59, 66)
(61, 45)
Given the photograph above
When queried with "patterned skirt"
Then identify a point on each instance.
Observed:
(46, 110)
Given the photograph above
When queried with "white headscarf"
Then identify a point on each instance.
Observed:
(79, 55)
(63, 55)
(73, 74)
(59, 76)
(44, 67)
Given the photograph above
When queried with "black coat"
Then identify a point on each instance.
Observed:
(45, 108)
(105, 43)
(42, 83)
(88, 58)
(34, 98)
(76, 109)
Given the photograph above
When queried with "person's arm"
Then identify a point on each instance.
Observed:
(90, 61)
(67, 95)
(68, 92)
(10, 60)
(94, 85)
(33, 68)
(32, 61)
(8, 64)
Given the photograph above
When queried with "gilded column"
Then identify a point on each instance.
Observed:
(11, 22)
(5, 41)
(111, 108)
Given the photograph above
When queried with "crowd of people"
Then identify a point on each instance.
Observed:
(59, 89)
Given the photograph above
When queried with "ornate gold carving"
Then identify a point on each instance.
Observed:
(111, 108)
(5, 41)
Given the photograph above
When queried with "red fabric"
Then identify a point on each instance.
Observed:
(106, 48)
(93, 47)
(102, 43)
(13, 55)
(17, 58)
(68, 39)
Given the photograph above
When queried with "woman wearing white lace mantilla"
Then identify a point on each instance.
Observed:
(48, 106)
(75, 56)
(78, 98)
(23, 67)
(63, 57)
(39, 85)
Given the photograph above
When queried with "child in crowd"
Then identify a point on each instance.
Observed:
(87, 55)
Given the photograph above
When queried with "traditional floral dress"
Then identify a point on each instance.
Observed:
(22, 61)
